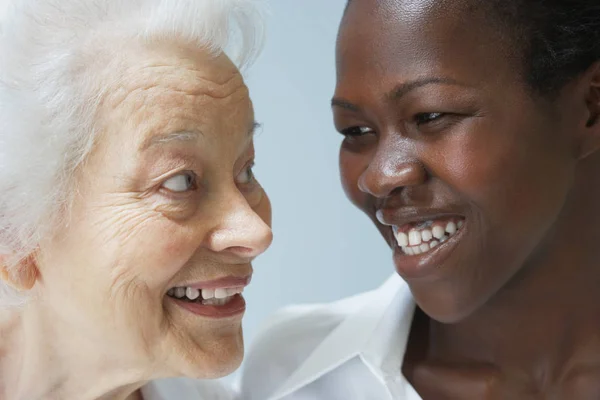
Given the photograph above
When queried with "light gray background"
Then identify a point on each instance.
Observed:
(324, 248)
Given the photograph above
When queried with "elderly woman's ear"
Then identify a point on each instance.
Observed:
(590, 140)
(22, 276)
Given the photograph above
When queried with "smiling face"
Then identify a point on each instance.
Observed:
(463, 170)
(166, 206)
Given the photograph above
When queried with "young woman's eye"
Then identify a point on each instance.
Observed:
(246, 176)
(426, 118)
(356, 131)
(180, 183)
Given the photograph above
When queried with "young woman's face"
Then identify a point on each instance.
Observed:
(461, 167)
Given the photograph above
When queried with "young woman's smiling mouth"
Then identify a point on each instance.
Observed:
(423, 241)
(421, 237)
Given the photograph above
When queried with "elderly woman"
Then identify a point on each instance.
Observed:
(129, 214)
(471, 136)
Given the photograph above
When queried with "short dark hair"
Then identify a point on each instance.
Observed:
(556, 39)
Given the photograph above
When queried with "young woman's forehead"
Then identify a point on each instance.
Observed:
(405, 45)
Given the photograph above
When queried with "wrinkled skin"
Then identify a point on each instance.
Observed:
(153, 211)
(437, 116)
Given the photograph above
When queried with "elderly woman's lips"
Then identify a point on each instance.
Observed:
(233, 306)
(216, 298)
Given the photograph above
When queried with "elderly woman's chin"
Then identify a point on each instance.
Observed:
(133, 242)
(214, 353)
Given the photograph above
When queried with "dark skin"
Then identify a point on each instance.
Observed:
(513, 310)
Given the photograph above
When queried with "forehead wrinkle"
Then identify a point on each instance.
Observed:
(160, 95)
(138, 101)
(185, 85)
(160, 138)
(194, 82)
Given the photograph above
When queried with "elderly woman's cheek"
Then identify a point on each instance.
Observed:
(122, 223)
(139, 229)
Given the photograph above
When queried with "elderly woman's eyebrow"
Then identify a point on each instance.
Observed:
(185, 136)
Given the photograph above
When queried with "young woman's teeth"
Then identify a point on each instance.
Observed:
(213, 297)
(426, 236)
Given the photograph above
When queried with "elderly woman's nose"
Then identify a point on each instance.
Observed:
(240, 231)
(390, 170)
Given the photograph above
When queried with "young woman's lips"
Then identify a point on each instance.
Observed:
(429, 262)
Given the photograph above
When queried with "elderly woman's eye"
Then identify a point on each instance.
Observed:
(180, 183)
(425, 118)
(247, 175)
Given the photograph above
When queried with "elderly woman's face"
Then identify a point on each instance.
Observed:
(463, 170)
(166, 201)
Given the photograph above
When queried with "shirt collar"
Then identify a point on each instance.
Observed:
(387, 345)
(387, 315)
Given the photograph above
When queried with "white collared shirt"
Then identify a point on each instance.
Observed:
(186, 389)
(348, 350)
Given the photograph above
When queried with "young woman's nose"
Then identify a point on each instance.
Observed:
(389, 170)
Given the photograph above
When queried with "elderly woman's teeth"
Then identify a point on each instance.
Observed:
(219, 296)
(192, 293)
(425, 236)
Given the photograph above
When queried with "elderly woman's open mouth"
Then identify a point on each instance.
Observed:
(217, 299)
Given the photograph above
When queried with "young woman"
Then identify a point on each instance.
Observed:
(471, 135)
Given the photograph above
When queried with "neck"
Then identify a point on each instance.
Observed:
(42, 358)
(545, 321)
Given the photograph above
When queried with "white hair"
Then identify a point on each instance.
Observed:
(49, 94)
